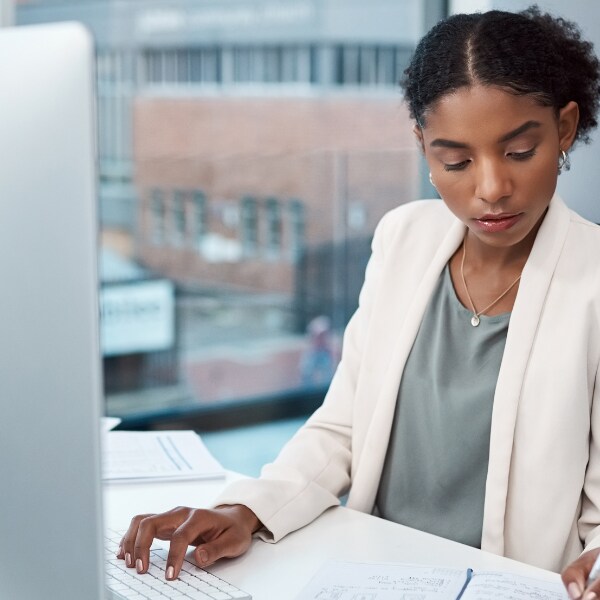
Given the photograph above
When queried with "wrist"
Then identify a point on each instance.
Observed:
(245, 515)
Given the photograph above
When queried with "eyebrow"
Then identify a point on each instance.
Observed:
(442, 143)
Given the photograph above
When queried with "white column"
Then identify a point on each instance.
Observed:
(469, 6)
(7, 13)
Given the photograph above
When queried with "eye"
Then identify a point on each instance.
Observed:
(456, 166)
(522, 155)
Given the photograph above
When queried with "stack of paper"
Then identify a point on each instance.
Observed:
(130, 456)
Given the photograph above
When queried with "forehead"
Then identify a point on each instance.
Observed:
(479, 113)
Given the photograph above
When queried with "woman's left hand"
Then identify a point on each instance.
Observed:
(576, 574)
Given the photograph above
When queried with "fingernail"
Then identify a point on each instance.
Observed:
(170, 572)
(590, 596)
(128, 560)
(139, 565)
(119, 551)
(574, 590)
(202, 556)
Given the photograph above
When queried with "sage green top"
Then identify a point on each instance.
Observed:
(437, 459)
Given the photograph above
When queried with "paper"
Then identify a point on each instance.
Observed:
(366, 581)
(495, 585)
(338, 580)
(109, 423)
(157, 456)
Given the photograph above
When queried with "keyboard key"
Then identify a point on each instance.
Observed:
(193, 581)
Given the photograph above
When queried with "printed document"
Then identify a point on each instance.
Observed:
(130, 456)
(340, 580)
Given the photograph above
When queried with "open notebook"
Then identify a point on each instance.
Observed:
(338, 580)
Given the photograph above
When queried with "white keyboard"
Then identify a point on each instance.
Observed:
(193, 582)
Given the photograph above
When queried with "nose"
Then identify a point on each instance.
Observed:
(493, 181)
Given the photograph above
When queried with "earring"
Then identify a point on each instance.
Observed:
(564, 162)
(431, 180)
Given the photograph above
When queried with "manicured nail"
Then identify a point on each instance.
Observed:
(202, 556)
(170, 572)
(139, 565)
(128, 560)
(590, 596)
(574, 590)
(119, 551)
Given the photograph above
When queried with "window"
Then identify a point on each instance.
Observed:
(158, 212)
(243, 169)
(273, 242)
(200, 221)
(249, 226)
(178, 207)
(297, 228)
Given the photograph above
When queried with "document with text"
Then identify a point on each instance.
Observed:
(341, 580)
(136, 456)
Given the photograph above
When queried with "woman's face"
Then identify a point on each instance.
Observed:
(494, 157)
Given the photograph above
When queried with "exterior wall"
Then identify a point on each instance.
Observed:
(318, 151)
(134, 23)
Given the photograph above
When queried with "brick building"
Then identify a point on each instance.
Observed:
(233, 191)
(246, 151)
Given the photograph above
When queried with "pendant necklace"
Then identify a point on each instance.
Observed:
(475, 318)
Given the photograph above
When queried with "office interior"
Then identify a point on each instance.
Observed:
(246, 152)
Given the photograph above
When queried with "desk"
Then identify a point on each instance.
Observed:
(279, 571)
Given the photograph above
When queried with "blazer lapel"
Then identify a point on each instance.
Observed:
(524, 321)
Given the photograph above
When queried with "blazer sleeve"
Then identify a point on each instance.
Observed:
(313, 469)
(589, 522)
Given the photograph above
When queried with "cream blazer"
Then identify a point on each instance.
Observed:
(542, 500)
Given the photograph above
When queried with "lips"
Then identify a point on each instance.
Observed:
(500, 222)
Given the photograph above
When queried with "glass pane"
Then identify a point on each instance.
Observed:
(247, 152)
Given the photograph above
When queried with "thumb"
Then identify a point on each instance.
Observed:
(227, 545)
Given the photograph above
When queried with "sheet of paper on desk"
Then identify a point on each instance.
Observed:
(496, 585)
(339, 580)
(109, 423)
(130, 456)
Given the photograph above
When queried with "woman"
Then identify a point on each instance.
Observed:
(464, 401)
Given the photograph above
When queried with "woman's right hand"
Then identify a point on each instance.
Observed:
(225, 531)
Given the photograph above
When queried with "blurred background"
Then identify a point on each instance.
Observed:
(247, 149)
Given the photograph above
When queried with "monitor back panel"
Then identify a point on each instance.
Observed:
(50, 381)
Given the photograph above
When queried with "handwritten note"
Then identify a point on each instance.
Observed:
(338, 580)
(366, 581)
(493, 585)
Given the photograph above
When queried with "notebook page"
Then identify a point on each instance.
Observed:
(342, 580)
(492, 585)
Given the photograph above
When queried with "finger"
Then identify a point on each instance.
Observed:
(593, 591)
(126, 547)
(231, 542)
(143, 540)
(574, 580)
(185, 535)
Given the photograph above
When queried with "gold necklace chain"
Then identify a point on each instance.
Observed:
(475, 318)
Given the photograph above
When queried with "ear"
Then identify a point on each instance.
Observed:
(418, 133)
(568, 119)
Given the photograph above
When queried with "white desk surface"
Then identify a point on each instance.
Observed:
(279, 571)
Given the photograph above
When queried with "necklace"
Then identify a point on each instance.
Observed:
(476, 315)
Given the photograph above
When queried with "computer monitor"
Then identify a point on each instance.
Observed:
(50, 377)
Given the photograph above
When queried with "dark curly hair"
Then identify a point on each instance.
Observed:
(526, 53)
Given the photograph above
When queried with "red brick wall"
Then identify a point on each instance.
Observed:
(331, 153)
